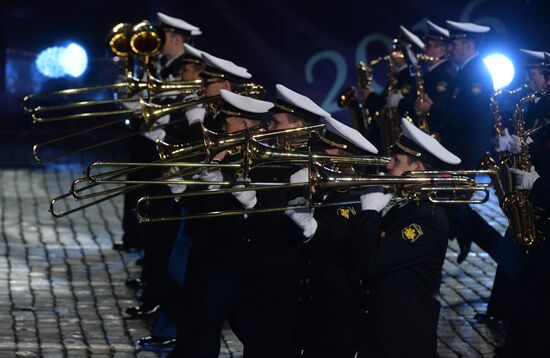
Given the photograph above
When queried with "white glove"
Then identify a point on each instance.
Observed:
(525, 180)
(195, 114)
(393, 99)
(515, 144)
(375, 200)
(302, 217)
(247, 198)
(155, 132)
(211, 175)
(503, 144)
(135, 105)
(301, 176)
(175, 188)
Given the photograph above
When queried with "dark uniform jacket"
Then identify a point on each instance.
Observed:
(331, 314)
(467, 121)
(437, 83)
(401, 256)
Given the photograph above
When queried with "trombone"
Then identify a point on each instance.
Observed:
(212, 144)
(152, 85)
(442, 187)
(149, 114)
(143, 39)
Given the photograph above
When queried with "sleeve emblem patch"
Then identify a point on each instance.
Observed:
(412, 232)
(441, 86)
(346, 211)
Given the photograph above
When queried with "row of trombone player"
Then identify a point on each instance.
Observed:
(261, 182)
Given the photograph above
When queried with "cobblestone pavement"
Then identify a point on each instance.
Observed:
(62, 290)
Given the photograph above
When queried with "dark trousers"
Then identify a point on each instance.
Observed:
(157, 248)
(505, 292)
(271, 293)
(467, 225)
(212, 294)
(527, 334)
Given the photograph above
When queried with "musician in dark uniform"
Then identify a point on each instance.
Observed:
(440, 74)
(505, 293)
(271, 256)
(213, 284)
(467, 129)
(217, 74)
(330, 317)
(527, 334)
(142, 150)
(399, 248)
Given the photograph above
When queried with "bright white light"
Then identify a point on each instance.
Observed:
(501, 69)
(74, 60)
(55, 62)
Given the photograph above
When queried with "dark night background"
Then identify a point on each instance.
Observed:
(310, 46)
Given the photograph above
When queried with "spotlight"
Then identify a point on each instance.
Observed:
(74, 60)
(55, 62)
(501, 69)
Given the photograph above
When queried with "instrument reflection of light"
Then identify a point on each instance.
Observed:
(55, 62)
(501, 69)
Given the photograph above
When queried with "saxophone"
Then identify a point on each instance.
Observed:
(355, 107)
(422, 119)
(387, 118)
(519, 209)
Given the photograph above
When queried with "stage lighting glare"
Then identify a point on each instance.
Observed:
(48, 64)
(501, 69)
(56, 62)
(74, 60)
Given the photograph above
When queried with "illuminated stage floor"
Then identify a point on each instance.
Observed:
(62, 287)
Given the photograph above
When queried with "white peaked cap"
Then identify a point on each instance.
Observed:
(539, 55)
(299, 100)
(412, 38)
(349, 134)
(467, 27)
(225, 66)
(244, 103)
(193, 51)
(437, 29)
(179, 24)
(428, 143)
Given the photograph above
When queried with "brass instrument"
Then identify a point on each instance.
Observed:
(144, 40)
(445, 187)
(173, 155)
(388, 118)
(149, 114)
(356, 107)
(152, 85)
(519, 209)
(212, 144)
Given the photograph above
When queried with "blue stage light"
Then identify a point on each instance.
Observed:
(55, 62)
(501, 69)
(48, 64)
(74, 60)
